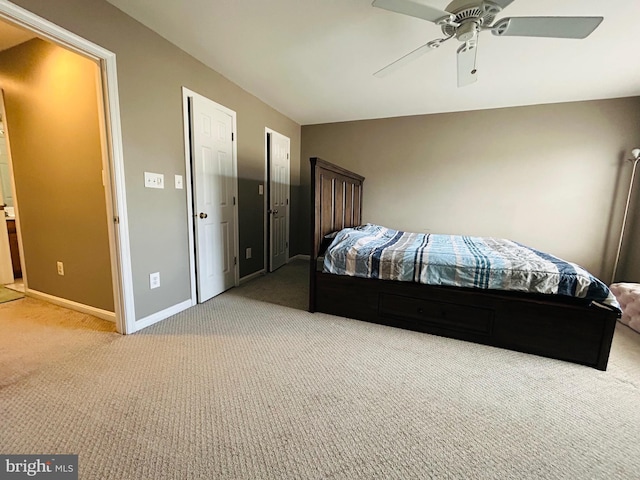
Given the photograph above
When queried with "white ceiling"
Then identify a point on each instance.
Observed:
(313, 60)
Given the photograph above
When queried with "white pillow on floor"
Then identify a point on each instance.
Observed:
(628, 296)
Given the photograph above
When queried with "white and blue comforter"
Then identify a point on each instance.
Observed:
(372, 251)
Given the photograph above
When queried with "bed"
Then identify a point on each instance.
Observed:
(567, 328)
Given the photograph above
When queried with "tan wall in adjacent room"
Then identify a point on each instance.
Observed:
(51, 100)
(550, 176)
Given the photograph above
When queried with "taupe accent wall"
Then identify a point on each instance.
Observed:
(151, 74)
(553, 177)
(51, 100)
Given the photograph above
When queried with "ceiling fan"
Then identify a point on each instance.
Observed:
(465, 19)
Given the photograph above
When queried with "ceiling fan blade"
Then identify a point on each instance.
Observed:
(409, 57)
(467, 73)
(553, 27)
(414, 9)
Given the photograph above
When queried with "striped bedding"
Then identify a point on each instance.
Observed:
(373, 251)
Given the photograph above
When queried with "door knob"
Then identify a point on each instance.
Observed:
(273, 211)
(203, 215)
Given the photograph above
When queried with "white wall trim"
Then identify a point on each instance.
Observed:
(236, 215)
(162, 315)
(265, 192)
(114, 171)
(253, 275)
(189, 191)
(71, 305)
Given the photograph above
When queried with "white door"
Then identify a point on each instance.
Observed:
(278, 200)
(214, 184)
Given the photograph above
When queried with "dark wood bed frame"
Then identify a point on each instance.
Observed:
(557, 327)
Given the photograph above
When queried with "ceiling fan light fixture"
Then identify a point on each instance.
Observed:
(467, 31)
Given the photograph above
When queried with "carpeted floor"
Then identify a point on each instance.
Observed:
(37, 334)
(243, 387)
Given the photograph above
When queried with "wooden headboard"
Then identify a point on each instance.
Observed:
(336, 203)
(336, 200)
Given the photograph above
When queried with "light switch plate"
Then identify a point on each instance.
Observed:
(178, 180)
(153, 180)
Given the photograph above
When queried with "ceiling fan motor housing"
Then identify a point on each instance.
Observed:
(469, 16)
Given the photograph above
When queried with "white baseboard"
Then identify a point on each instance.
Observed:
(71, 305)
(162, 315)
(300, 256)
(251, 276)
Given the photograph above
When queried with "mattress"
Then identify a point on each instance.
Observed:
(375, 251)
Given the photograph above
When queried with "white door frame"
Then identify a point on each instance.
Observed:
(112, 159)
(16, 209)
(6, 262)
(186, 93)
(267, 199)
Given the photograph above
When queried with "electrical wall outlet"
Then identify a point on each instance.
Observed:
(154, 280)
(60, 266)
(248, 252)
(260, 189)
(153, 180)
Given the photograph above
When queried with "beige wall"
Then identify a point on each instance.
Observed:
(151, 72)
(51, 102)
(549, 176)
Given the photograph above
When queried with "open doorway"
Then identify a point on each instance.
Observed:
(53, 139)
(110, 177)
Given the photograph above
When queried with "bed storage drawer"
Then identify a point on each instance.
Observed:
(451, 316)
(572, 335)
